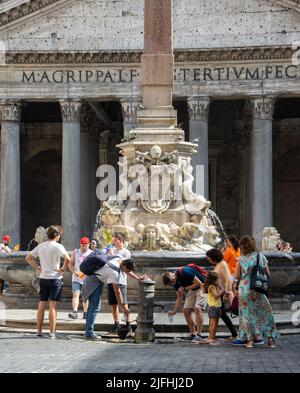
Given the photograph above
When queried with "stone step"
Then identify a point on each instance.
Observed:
(26, 319)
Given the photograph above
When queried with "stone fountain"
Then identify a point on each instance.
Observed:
(156, 208)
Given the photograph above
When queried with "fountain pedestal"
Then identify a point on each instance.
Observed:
(145, 331)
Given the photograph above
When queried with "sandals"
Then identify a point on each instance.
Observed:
(271, 343)
(250, 344)
(205, 341)
(215, 342)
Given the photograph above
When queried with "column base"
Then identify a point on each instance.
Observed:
(158, 117)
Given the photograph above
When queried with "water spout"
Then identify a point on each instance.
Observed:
(218, 224)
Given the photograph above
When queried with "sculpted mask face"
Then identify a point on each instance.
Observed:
(155, 152)
(151, 233)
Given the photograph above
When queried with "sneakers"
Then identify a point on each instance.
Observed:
(197, 338)
(130, 331)
(188, 338)
(40, 335)
(229, 340)
(114, 330)
(239, 343)
(93, 337)
(243, 343)
(84, 315)
(52, 336)
(73, 315)
(258, 342)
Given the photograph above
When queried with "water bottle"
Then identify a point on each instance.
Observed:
(107, 249)
(171, 318)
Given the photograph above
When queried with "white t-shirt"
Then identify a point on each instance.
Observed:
(49, 253)
(4, 249)
(108, 275)
(125, 254)
(79, 258)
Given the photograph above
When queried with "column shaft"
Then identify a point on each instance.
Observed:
(85, 184)
(10, 203)
(261, 167)
(71, 174)
(198, 115)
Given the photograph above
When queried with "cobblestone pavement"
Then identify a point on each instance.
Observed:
(23, 352)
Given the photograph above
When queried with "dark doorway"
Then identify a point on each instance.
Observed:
(41, 189)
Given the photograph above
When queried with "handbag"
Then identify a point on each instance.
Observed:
(235, 307)
(260, 280)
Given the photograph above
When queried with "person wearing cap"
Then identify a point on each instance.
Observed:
(4, 249)
(77, 258)
(93, 245)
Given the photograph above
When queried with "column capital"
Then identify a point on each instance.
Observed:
(263, 107)
(70, 110)
(10, 110)
(198, 107)
(130, 106)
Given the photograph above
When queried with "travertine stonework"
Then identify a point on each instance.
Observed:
(119, 25)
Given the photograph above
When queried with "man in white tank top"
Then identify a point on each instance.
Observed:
(77, 258)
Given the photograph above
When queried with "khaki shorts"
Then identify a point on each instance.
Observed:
(196, 299)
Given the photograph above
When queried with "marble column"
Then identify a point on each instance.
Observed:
(70, 213)
(198, 121)
(85, 183)
(10, 202)
(261, 166)
(94, 164)
(104, 155)
(129, 109)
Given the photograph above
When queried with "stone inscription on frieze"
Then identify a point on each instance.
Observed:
(113, 75)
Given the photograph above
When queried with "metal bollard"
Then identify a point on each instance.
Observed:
(145, 331)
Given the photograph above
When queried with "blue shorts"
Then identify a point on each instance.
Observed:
(76, 286)
(50, 290)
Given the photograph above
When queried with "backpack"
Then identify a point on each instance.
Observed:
(202, 272)
(95, 261)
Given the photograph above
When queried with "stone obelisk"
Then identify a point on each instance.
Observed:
(156, 209)
(157, 72)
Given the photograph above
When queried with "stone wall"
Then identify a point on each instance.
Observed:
(286, 183)
(226, 125)
(118, 24)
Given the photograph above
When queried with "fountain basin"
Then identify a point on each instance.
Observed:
(285, 278)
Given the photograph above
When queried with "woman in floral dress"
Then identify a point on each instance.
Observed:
(255, 313)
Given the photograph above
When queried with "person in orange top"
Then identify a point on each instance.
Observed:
(232, 253)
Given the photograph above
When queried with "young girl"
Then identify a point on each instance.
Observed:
(214, 291)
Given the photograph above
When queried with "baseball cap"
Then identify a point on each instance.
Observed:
(6, 238)
(84, 240)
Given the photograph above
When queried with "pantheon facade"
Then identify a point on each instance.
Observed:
(70, 90)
